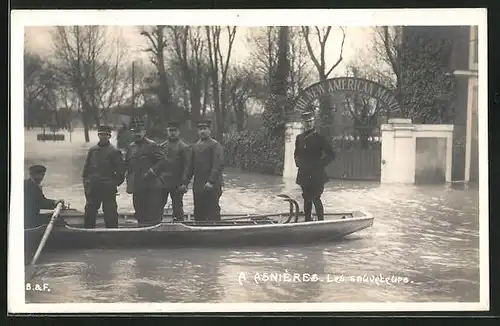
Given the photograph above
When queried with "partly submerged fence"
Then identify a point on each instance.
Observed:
(356, 159)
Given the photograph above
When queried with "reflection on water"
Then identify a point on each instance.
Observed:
(428, 234)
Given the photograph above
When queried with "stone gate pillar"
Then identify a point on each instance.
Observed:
(292, 130)
(399, 150)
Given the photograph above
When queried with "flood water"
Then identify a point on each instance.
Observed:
(428, 234)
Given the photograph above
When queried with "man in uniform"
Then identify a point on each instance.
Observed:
(35, 200)
(207, 166)
(103, 172)
(313, 153)
(144, 163)
(174, 178)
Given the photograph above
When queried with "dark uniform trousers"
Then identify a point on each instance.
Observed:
(146, 203)
(97, 195)
(177, 202)
(206, 204)
(311, 193)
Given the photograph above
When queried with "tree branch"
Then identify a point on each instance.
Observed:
(305, 31)
(340, 56)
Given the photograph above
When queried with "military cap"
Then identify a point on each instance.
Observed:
(104, 130)
(37, 168)
(173, 124)
(307, 116)
(205, 123)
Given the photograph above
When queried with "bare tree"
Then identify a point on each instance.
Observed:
(243, 84)
(113, 80)
(218, 72)
(157, 44)
(319, 60)
(263, 44)
(300, 64)
(387, 46)
(188, 48)
(36, 78)
(79, 53)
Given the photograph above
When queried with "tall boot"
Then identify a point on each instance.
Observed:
(318, 205)
(307, 210)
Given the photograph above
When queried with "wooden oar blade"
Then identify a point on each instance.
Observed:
(46, 234)
(30, 272)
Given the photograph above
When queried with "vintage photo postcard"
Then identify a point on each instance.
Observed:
(248, 161)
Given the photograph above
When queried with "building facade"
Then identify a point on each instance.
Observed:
(465, 68)
(463, 64)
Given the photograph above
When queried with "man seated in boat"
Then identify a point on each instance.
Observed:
(206, 167)
(144, 161)
(103, 172)
(312, 154)
(35, 200)
(174, 177)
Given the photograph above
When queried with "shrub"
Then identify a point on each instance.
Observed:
(255, 151)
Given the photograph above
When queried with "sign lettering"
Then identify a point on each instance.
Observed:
(346, 84)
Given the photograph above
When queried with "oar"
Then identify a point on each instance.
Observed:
(46, 234)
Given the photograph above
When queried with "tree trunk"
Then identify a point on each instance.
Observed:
(240, 116)
(85, 125)
(217, 110)
(195, 105)
(326, 125)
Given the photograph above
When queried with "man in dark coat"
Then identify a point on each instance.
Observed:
(174, 177)
(313, 153)
(144, 161)
(35, 200)
(207, 166)
(103, 172)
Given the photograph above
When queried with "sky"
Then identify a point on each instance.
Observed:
(38, 39)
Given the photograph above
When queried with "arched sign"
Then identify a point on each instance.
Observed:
(346, 84)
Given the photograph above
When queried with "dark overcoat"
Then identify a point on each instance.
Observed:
(34, 201)
(176, 169)
(207, 164)
(104, 166)
(313, 152)
(143, 156)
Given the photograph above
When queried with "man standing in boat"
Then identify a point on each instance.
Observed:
(103, 173)
(206, 167)
(312, 154)
(175, 177)
(35, 200)
(144, 162)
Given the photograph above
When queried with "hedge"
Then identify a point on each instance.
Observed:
(255, 151)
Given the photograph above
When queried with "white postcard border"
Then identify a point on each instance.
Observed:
(362, 17)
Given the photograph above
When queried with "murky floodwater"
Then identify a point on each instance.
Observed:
(428, 234)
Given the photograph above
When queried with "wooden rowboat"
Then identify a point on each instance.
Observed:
(233, 230)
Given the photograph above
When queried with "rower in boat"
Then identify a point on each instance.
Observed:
(144, 161)
(103, 172)
(35, 200)
(206, 167)
(174, 177)
(312, 154)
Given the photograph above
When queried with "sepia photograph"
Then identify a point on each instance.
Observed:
(248, 160)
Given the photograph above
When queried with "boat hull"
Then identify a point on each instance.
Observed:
(190, 234)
